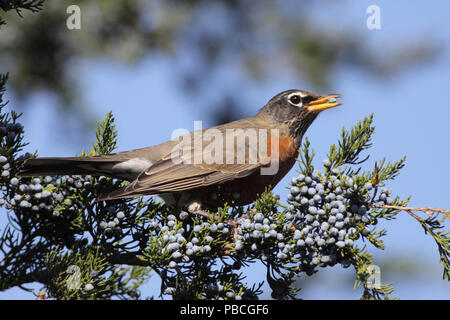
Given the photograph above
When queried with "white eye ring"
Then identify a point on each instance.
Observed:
(299, 94)
(295, 99)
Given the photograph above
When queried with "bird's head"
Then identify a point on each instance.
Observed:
(297, 109)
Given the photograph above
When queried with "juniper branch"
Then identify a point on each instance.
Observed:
(427, 210)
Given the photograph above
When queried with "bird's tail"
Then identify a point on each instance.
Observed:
(66, 166)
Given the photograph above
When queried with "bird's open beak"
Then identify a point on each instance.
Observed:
(323, 103)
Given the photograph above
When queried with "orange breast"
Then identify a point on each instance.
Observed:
(253, 185)
(287, 148)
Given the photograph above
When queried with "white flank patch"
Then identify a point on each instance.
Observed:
(135, 165)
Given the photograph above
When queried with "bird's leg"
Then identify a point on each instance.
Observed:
(195, 207)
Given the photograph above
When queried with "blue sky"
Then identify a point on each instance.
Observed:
(411, 115)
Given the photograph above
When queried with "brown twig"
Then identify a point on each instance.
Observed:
(375, 182)
(42, 295)
(427, 210)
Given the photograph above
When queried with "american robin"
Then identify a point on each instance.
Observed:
(235, 161)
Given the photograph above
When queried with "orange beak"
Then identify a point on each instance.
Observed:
(323, 103)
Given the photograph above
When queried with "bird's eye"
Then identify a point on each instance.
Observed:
(295, 99)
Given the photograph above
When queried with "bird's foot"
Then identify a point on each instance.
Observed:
(195, 207)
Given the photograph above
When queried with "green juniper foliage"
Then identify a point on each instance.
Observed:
(19, 5)
(53, 231)
(57, 234)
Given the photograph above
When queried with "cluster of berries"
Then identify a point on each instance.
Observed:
(199, 239)
(326, 214)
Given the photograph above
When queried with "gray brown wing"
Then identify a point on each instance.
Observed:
(178, 171)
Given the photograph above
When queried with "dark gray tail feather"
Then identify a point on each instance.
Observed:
(65, 166)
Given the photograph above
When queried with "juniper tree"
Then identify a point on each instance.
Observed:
(57, 234)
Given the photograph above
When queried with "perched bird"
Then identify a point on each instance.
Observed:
(235, 161)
